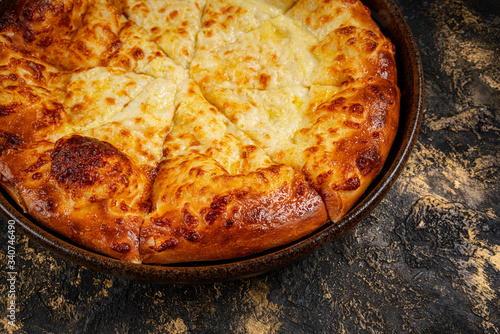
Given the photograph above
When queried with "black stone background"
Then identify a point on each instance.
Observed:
(426, 260)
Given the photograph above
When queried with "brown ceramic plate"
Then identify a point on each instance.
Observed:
(410, 77)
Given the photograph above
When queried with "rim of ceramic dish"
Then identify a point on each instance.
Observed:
(410, 78)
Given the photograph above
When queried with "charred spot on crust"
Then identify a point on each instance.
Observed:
(190, 235)
(137, 53)
(229, 223)
(29, 34)
(217, 207)
(39, 163)
(264, 80)
(11, 108)
(380, 94)
(334, 104)
(8, 140)
(37, 11)
(120, 247)
(161, 221)
(212, 216)
(368, 161)
(262, 176)
(275, 169)
(189, 219)
(37, 176)
(356, 108)
(349, 30)
(301, 189)
(52, 114)
(36, 18)
(169, 243)
(369, 45)
(323, 176)
(35, 69)
(146, 205)
(50, 206)
(352, 183)
(115, 46)
(351, 124)
(196, 172)
(241, 193)
(339, 101)
(81, 161)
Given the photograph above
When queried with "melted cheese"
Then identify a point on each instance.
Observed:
(95, 96)
(283, 5)
(172, 24)
(140, 128)
(275, 55)
(100, 27)
(199, 127)
(138, 53)
(322, 17)
(270, 117)
(224, 21)
(18, 69)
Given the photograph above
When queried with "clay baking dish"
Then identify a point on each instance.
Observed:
(410, 78)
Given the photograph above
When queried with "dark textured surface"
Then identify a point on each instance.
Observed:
(426, 260)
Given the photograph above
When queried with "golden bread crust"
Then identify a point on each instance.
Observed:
(352, 130)
(83, 189)
(176, 131)
(216, 216)
(28, 115)
(67, 34)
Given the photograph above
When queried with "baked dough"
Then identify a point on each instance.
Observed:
(177, 131)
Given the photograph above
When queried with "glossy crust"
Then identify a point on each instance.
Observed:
(29, 106)
(68, 34)
(82, 188)
(211, 215)
(27, 114)
(166, 132)
(348, 140)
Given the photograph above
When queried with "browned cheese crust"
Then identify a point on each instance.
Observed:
(199, 130)
(82, 188)
(29, 109)
(68, 34)
(349, 141)
(208, 214)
